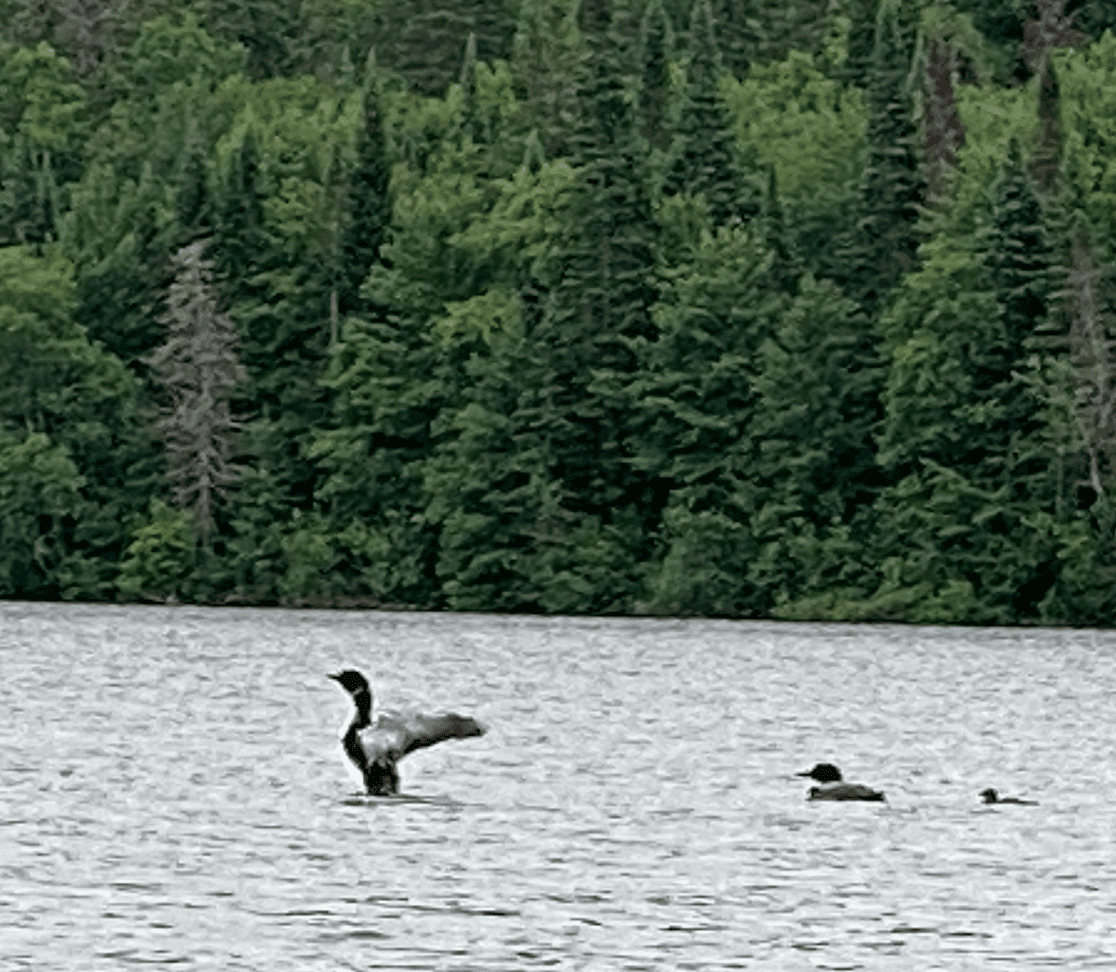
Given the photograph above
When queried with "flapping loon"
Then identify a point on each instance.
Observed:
(991, 796)
(375, 746)
(836, 789)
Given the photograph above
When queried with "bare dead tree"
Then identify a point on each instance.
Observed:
(1049, 31)
(198, 368)
(942, 131)
(1093, 356)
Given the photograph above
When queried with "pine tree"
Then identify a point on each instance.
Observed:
(966, 525)
(198, 369)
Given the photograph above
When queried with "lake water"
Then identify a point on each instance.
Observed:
(173, 792)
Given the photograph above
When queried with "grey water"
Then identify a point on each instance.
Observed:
(173, 792)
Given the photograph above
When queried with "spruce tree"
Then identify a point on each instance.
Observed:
(863, 15)
(705, 155)
(239, 240)
(892, 188)
(366, 208)
(656, 50)
(544, 64)
(555, 517)
(195, 203)
(1019, 258)
(738, 30)
(965, 433)
(472, 123)
(602, 285)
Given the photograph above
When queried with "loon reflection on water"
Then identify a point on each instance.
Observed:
(836, 789)
(991, 796)
(375, 745)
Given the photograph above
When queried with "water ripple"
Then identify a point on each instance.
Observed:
(172, 792)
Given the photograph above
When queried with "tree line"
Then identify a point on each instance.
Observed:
(717, 307)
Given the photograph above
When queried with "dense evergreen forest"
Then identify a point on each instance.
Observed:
(751, 308)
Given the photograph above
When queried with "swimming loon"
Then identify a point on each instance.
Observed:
(376, 745)
(991, 796)
(837, 790)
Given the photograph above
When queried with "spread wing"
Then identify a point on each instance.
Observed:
(393, 735)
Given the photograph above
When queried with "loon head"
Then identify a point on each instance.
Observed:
(357, 686)
(823, 773)
(990, 795)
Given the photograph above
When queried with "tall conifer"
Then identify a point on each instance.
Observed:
(705, 160)
(892, 188)
(367, 208)
(239, 239)
(544, 61)
(1019, 258)
(656, 49)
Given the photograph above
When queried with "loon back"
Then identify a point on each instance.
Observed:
(991, 796)
(375, 746)
(846, 791)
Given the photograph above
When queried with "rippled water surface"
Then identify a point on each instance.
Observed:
(172, 792)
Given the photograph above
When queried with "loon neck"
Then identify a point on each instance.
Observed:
(362, 697)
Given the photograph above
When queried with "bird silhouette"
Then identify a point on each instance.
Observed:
(375, 744)
(991, 796)
(836, 789)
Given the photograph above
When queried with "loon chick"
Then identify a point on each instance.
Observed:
(991, 796)
(837, 790)
(376, 745)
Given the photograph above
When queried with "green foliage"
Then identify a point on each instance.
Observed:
(793, 121)
(42, 110)
(544, 309)
(266, 29)
(1088, 99)
(71, 393)
(757, 32)
(173, 49)
(791, 116)
(424, 40)
(40, 502)
(161, 561)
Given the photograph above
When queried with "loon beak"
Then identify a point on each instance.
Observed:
(335, 676)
